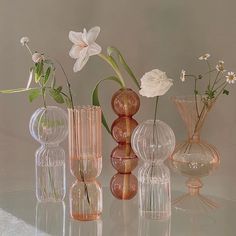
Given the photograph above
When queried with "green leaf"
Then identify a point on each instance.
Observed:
(96, 102)
(195, 92)
(38, 71)
(47, 74)
(35, 93)
(56, 95)
(59, 89)
(111, 50)
(226, 92)
(19, 90)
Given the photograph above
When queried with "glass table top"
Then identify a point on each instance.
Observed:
(21, 214)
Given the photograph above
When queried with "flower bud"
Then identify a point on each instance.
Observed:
(37, 57)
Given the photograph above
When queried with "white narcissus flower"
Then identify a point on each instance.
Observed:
(220, 66)
(182, 75)
(24, 40)
(155, 83)
(230, 78)
(37, 57)
(84, 46)
(204, 57)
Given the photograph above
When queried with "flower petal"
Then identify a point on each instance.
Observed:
(93, 34)
(75, 51)
(82, 60)
(75, 37)
(94, 49)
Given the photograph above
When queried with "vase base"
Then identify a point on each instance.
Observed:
(194, 203)
(86, 217)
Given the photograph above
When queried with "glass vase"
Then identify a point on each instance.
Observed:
(154, 142)
(85, 154)
(49, 127)
(82, 206)
(194, 157)
(124, 186)
(125, 103)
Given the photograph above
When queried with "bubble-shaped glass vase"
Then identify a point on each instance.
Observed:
(154, 142)
(49, 127)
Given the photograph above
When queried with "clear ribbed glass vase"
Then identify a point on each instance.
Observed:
(49, 127)
(85, 153)
(154, 142)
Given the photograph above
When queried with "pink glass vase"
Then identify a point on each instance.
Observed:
(194, 157)
(85, 154)
(125, 103)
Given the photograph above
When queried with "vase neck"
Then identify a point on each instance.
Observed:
(193, 112)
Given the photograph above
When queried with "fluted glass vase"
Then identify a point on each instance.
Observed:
(194, 157)
(85, 154)
(49, 127)
(153, 142)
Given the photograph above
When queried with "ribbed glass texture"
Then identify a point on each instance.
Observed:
(49, 125)
(153, 143)
(154, 191)
(85, 142)
(50, 173)
(85, 206)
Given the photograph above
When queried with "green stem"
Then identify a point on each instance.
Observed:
(195, 96)
(209, 67)
(215, 81)
(106, 58)
(67, 82)
(154, 123)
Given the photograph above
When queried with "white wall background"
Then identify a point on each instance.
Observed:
(164, 34)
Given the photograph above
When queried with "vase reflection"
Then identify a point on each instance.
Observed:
(124, 186)
(88, 228)
(50, 218)
(149, 227)
(123, 215)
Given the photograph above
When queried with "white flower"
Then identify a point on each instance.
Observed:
(37, 57)
(84, 46)
(182, 75)
(220, 66)
(155, 83)
(204, 57)
(24, 40)
(231, 77)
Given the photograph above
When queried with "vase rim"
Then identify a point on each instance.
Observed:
(186, 98)
(85, 107)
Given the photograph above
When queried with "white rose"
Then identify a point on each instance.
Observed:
(37, 57)
(155, 83)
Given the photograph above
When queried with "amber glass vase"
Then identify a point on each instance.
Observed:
(85, 154)
(194, 157)
(125, 103)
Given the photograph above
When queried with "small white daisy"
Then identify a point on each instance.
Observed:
(230, 78)
(24, 40)
(182, 75)
(220, 66)
(204, 57)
